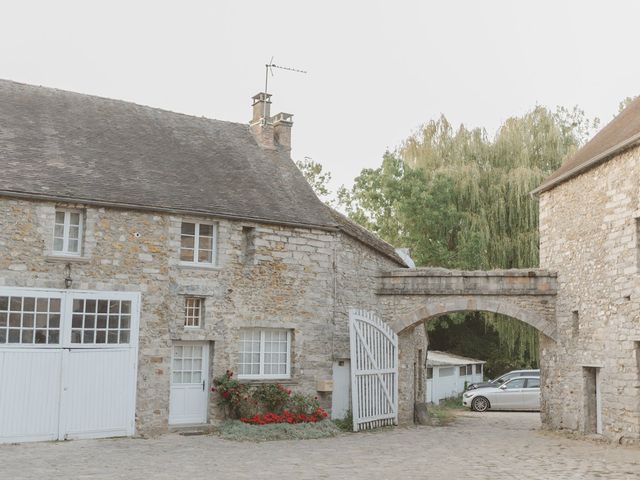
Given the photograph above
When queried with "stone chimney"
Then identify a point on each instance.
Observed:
(261, 124)
(282, 124)
(269, 131)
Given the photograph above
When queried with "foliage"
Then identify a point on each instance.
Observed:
(245, 432)
(266, 403)
(345, 424)
(272, 397)
(233, 396)
(317, 178)
(459, 199)
(625, 103)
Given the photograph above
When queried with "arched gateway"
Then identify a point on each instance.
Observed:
(407, 298)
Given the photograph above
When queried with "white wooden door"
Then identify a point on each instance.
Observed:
(374, 371)
(189, 383)
(341, 395)
(67, 364)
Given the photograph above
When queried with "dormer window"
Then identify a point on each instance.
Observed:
(198, 243)
(67, 232)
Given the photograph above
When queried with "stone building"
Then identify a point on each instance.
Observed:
(143, 252)
(590, 235)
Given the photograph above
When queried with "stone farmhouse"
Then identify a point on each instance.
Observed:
(590, 235)
(144, 252)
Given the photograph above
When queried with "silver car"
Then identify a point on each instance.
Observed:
(522, 393)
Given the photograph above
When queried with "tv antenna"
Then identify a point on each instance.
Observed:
(269, 70)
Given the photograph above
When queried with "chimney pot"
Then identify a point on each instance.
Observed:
(282, 123)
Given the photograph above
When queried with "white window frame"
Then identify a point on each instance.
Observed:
(65, 234)
(199, 308)
(262, 375)
(196, 244)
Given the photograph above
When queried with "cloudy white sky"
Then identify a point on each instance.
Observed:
(377, 69)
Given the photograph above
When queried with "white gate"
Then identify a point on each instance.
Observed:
(67, 364)
(374, 371)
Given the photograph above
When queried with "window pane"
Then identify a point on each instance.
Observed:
(204, 256)
(59, 217)
(57, 244)
(206, 230)
(41, 336)
(73, 246)
(188, 228)
(4, 303)
(186, 255)
(74, 218)
(74, 232)
(205, 243)
(54, 336)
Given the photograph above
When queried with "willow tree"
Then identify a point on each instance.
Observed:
(460, 199)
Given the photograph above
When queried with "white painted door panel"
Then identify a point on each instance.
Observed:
(189, 396)
(29, 394)
(68, 362)
(340, 398)
(96, 393)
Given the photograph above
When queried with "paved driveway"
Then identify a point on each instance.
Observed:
(493, 445)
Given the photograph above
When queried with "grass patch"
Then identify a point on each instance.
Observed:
(445, 412)
(243, 432)
(345, 424)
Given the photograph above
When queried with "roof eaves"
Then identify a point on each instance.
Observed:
(578, 169)
(153, 208)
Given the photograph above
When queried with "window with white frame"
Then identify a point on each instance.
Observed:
(265, 353)
(463, 371)
(67, 232)
(198, 243)
(193, 312)
(469, 369)
(478, 368)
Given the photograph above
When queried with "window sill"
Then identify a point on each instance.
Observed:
(267, 381)
(66, 259)
(199, 266)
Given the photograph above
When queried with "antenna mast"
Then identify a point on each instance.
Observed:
(269, 69)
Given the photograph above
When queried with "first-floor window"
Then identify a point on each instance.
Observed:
(463, 371)
(478, 368)
(265, 353)
(198, 243)
(67, 232)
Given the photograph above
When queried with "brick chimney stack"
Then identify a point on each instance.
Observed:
(270, 132)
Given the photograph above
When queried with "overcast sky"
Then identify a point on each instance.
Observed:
(377, 69)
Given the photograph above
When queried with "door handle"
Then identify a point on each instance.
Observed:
(203, 385)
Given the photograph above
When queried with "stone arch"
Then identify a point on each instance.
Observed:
(527, 310)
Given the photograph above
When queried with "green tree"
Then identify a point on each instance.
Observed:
(459, 199)
(317, 178)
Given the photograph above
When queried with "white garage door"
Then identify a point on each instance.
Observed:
(68, 363)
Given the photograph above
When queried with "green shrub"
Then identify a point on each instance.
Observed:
(243, 432)
(345, 424)
(271, 397)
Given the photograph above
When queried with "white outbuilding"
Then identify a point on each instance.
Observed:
(448, 374)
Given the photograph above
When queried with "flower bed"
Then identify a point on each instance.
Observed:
(265, 404)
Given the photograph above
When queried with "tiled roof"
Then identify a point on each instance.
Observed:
(69, 146)
(621, 133)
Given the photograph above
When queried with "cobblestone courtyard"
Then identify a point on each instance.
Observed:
(492, 445)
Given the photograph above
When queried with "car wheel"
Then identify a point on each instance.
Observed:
(480, 404)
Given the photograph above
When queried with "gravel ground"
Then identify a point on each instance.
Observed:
(492, 445)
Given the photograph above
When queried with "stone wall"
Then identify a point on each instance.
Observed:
(589, 235)
(288, 280)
